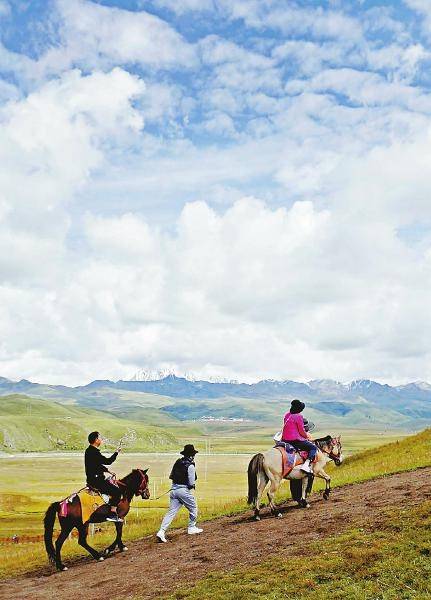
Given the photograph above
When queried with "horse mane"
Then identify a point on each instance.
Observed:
(130, 479)
(323, 440)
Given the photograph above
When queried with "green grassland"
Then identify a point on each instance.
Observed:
(392, 563)
(221, 489)
(30, 424)
(34, 424)
(249, 438)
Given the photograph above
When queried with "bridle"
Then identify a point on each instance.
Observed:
(143, 485)
(331, 444)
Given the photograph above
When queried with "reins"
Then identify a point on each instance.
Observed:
(331, 445)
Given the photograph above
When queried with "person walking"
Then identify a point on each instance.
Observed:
(184, 478)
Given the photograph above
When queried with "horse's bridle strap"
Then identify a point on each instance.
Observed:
(331, 456)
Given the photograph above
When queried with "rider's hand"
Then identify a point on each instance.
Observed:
(309, 437)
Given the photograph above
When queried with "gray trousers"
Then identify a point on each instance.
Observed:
(180, 497)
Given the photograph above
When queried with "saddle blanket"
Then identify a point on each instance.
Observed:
(289, 460)
(90, 501)
(291, 449)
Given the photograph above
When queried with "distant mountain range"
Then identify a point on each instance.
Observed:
(173, 399)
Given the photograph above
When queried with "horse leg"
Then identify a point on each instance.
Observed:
(303, 502)
(275, 484)
(117, 542)
(323, 475)
(82, 541)
(66, 528)
(260, 489)
(121, 546)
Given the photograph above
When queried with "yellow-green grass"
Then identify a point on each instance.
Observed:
(30, 424)
(45, 478)
(392, 563)
(238, 438)
(221, 490)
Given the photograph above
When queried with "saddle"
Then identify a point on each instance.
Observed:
(290, 456)
(291, 449)
(90, 499)
(288, 447)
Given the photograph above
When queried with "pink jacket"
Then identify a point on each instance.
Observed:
(294, 427)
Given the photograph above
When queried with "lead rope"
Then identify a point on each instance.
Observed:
(161, 495)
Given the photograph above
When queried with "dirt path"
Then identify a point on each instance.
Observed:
(150, 570)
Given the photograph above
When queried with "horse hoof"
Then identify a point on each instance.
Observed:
(257, 518)
(100, 558)
(307, 505)
(124, 549)
(106, 552)
(279, 516)
(62, 568)
(326, 496)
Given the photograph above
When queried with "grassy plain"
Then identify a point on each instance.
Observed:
(392, 563)
(30, 483)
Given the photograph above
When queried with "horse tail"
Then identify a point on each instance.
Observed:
(255, 468)
(48, 522)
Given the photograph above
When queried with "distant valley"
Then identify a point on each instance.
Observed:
(160, 408)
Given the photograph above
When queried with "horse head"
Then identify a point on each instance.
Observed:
(142, 483)
(336, 452)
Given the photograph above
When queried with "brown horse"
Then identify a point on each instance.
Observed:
(134, 484)
(268, 467)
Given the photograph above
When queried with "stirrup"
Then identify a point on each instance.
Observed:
(114, 518)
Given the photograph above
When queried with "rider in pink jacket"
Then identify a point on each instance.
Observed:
(294, 433)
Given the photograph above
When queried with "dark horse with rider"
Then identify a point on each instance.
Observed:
(104, 499)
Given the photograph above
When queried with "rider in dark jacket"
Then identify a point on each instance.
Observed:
(95, 471)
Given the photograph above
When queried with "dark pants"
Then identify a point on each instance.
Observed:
(106, 487)
(304, 445)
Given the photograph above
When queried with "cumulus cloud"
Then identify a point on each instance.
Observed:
(50, 143)
(250, 292)
(258, 207)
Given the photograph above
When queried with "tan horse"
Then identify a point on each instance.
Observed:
(268, 467)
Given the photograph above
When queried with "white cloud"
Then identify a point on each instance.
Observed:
(251, 292)
(365, 88)
(128, 248)
(96, 36)
(50, 143)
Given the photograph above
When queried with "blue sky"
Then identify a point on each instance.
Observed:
(233, 188)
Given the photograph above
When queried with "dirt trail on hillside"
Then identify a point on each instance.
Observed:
(151, 570)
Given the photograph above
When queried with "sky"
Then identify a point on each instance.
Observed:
(233, 188)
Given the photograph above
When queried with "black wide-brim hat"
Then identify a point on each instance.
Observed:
(296, 406)
(189, 450)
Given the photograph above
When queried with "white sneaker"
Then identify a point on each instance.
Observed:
(160, 535)
(306, 468)
(194, 530)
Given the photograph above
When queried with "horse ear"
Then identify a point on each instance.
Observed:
(145, 471)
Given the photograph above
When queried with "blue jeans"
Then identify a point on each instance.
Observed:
(304, 445)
